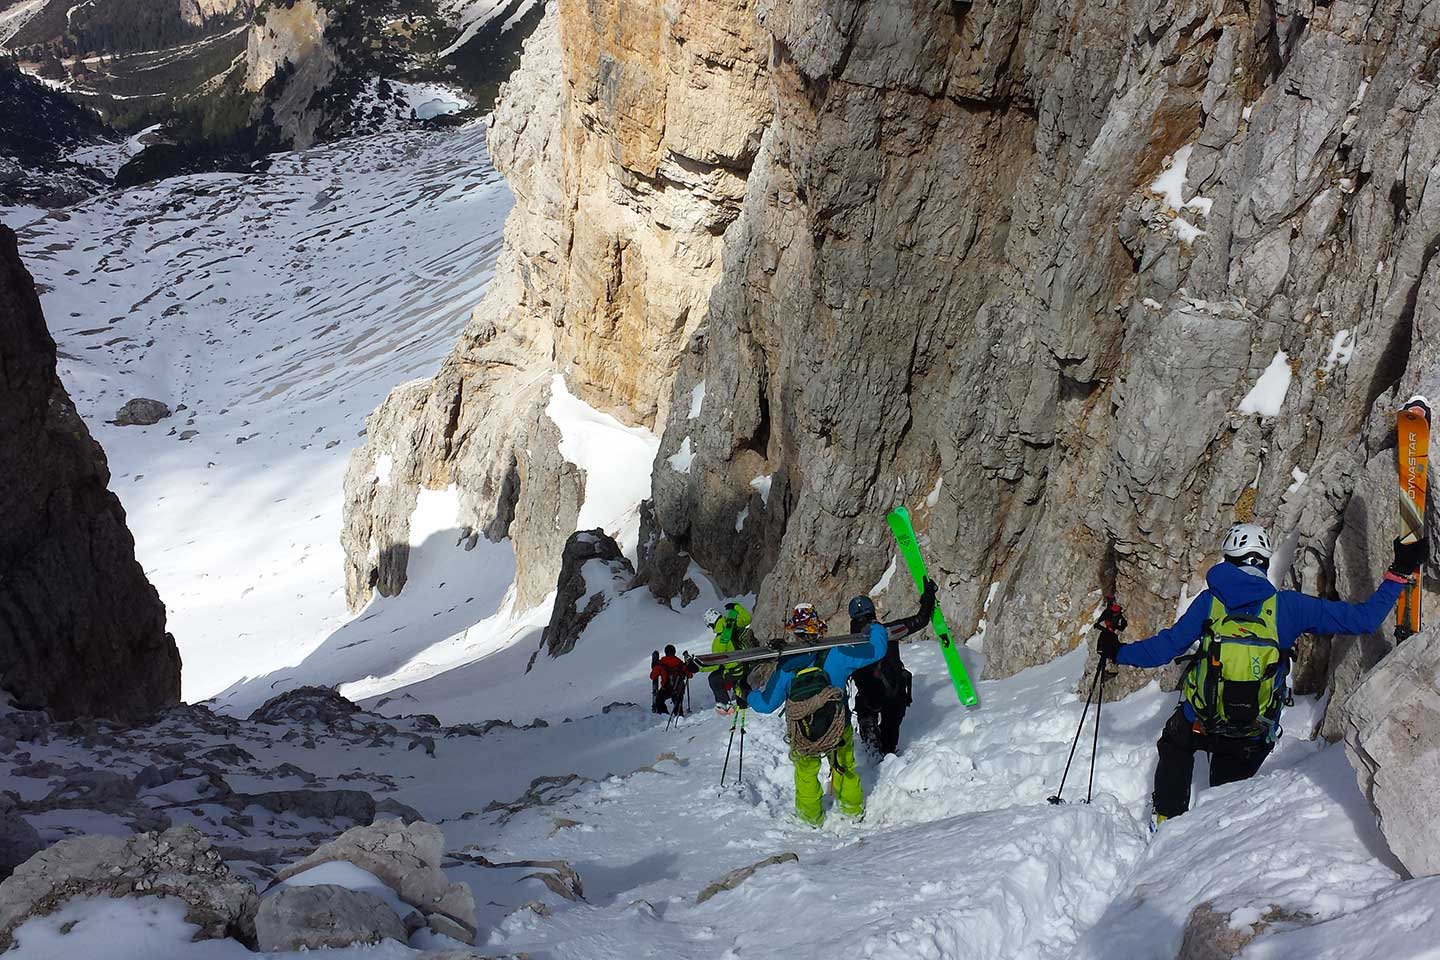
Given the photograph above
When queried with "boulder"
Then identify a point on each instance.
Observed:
(354, 805)
(1212, 934)
(178, 863)
(19, 841)
(141, 412)
(406, 857)
(592, 568)
(82, 631)
(324, 915)
(1392, 736)
(305, 705)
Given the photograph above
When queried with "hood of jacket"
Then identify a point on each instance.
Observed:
(1236, 589)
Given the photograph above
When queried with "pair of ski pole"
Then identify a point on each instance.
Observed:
(739, 719)
(675, 710)
(1111, 621)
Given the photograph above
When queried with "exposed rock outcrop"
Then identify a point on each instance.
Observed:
(592, 569)
(288, 57)
(141, 412)
(1210, 934)
(1392, 735)
(82, 631)
(1029, 260)
(1015, 266)
(625, 135)
(324, 915)
(198, 13)
(178, 863)
(407, 859)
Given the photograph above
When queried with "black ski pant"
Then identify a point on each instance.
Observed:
(879, 722)
(663, 697)
(724, 689)
(1231, 759)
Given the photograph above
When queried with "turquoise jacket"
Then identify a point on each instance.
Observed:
(840, 662)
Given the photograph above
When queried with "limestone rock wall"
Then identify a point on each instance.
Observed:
(197, 13)
(1015, 264)
(961, 277)
(626, 136)
(1392, 736)
(82, 631)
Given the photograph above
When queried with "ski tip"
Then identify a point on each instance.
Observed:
(1421, 401)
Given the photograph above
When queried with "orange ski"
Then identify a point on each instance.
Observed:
(1413, 449)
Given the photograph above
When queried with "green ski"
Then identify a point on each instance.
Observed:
(899, 520)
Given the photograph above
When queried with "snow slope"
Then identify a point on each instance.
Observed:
(279, 309)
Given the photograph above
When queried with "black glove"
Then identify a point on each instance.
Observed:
(777, 644)
(927, 599)
(1109, 646)
(1409, 556)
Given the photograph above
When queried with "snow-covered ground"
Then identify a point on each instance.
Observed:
(278, 310)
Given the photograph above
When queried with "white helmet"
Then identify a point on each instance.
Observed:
(1245, 539)
(712, 617)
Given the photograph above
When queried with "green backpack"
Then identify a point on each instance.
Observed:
(1236, 684)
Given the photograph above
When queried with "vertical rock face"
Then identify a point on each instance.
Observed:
(626, 135)
(197, 13)
(289, 58)
(1392, 735)
(1028, 259)
(1016, 265)
(82, 631)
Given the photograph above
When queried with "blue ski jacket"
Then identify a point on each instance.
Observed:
(1244, 593)
(840, 662)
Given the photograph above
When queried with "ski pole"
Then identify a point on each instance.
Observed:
(1073, 743)
(726, 767)
(1095, 743)
(740, 770)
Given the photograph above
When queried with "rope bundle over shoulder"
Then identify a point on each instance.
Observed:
(797, 711)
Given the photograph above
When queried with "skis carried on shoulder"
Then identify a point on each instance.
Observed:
(755, 654)
(1412, 425)
(900, 526)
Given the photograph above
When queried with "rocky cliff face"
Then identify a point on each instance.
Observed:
(625, 136)
(1015, 265)
(198, 13)
(82, 632)
(1031, 258)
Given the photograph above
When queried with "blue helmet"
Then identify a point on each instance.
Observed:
(862, 608)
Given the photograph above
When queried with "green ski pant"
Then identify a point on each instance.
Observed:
(846, 780)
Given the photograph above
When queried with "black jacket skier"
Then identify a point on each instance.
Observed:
(882, 690)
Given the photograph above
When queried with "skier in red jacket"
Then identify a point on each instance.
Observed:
(668, 677)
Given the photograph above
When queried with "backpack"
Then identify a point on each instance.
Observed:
(892, 677)
(816, 712)
(737, 630)
(1236, 683)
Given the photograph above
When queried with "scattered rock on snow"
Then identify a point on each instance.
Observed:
(141, 412)
(178, 863)
(324, 915)
(1392, 736)
(734, 878)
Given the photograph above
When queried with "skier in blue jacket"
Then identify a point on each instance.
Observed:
(1237, 682)
(812, 689)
